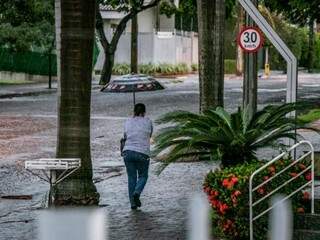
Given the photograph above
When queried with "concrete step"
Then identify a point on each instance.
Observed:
(306, 235)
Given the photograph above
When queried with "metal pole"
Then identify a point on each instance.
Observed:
(134, 95)
(312, 178)
(50, 76)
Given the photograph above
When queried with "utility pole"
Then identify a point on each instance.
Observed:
(250, 81)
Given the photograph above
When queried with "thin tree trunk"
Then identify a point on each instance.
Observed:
(250, 82)
(107, 67)
(211, 20)
(311, 46)
(240, 22)
(112, 46)
(74, 94)
(134, 44)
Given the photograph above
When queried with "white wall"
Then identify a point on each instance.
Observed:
(152, 49)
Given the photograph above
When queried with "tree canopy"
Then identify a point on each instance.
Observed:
(26, 24)
(297, 11)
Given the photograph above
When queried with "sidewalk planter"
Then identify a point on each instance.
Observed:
(228, 195)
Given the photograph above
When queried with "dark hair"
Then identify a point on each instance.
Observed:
(139, 109)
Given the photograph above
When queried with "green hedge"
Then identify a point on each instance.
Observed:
(168, 69)
(228, 194)
(32, 62)
(27, 62)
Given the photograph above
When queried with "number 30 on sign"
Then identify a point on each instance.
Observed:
(250, 39)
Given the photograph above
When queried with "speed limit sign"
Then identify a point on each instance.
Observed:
(250, 39)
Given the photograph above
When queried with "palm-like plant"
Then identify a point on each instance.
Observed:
(232, 138)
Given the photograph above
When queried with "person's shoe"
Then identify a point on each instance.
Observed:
(136, 199)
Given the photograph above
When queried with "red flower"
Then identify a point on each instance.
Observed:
(223, 208)
(236, 193)
(230, 182)
(300, 210)
(272, 169)
(308, 176)
(214, 193)
(261, 190)
(234, 180)
(265, 178)
(302, 166)
(293, 174)
(215, 203)
(306, 196)
(228, 224)
(225, 182)
(206, 189)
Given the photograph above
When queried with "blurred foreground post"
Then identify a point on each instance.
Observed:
(72, 224)
(199, 222)
(280, 221)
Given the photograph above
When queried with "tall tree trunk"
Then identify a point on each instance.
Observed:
(74, 93)
(240, 23)
(250, 82)
(211, 20)
(311, 46)
(134, 44)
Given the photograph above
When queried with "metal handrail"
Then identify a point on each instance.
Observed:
(295, 161)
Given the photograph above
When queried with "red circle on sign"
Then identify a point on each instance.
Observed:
(259, 34)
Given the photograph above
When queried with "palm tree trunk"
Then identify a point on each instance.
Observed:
(76, 38)
(134, 44)
(211, 20)
(250, 81)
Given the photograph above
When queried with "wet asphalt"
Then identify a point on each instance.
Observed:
(166, 197)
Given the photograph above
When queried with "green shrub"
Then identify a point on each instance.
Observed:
(311, 116)
(230, 66)
(317, 52)
(147, 68)
(181, 68)
(228, 195)
(121, 69)
(296, 39)
(232, 138)
(165, 68)
(194, 67)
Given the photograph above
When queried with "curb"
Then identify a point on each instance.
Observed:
(23, 94)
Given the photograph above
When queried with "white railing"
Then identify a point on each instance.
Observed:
(309, 167)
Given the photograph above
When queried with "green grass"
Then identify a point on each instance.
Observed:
(311, 116)
(13, 82)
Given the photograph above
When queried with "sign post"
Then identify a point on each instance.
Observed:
(286, 53)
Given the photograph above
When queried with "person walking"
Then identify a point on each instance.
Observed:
(137, 133)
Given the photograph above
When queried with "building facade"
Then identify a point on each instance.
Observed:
(158, 40)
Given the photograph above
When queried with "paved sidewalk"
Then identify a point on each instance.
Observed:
(32, 89)
(10, 91)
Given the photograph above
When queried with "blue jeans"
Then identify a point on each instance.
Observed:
(137, 165)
